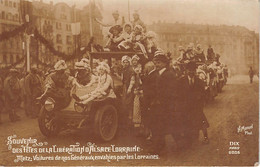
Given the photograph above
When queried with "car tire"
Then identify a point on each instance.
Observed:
(106, 122)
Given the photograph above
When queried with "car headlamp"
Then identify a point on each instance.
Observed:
(49, 104)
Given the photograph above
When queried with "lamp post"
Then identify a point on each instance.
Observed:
(28, 61)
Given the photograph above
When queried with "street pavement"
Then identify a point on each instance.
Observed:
(235, 107)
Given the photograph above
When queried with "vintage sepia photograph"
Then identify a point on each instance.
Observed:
(129, 82)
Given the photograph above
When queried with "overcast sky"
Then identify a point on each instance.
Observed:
(229, 12)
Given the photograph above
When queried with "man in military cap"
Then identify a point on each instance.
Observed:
(11, 91)
(163, 103)
(33, 89)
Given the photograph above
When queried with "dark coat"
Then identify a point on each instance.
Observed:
(149, 94)
(191, 102)
(33, 85)
(162, 101)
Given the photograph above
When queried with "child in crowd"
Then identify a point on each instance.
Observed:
(127, 35)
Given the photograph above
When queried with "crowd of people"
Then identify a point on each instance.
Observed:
(159, 95)
(130, 36)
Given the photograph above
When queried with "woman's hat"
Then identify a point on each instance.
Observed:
(151, 34)
(60, 65)
(128, 24)
(103, 66)
(135, 57)
(139, 27)
(127, 58)
(159, 55)
(115, 27)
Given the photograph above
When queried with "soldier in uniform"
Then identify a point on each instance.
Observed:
(11, 91)
(162, 104)
(33, 89)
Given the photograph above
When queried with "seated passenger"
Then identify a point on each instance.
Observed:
(126, 44)
(83, 75)
(137, 21)
(188, 54)
(151, 42)
(104, 87)
(139, 39)
(199, 54)
(114, 38)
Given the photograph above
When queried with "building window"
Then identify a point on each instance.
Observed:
(11, 44)
(69, 50)
(14, 5)
(58, 39)
(63, 16)
(10, 4)
(6, 2)
(68, 27)
(63, 9)
(4, 58)
(3, 15)
(9, 16)
(16, 17)
(58, 25)
(11, 59)
(59, 48)
(2, 1)
(69, 40)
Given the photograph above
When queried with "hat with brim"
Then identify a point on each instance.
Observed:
(128, 24)
(116, 27)
(139, 28)
(126, 58)
(159, 55)
(161, 58)
(81, 66)
(135, 57)
(85, 60)
(60, 65)
(103, 66)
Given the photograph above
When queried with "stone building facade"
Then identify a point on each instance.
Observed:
(11, 49)
(237, 46)
(54, 22)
